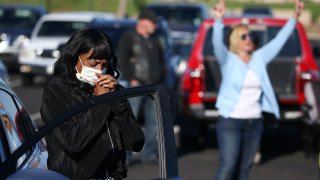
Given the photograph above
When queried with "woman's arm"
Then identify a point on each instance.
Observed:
(272, 48)
(131, 134)
(220, 50)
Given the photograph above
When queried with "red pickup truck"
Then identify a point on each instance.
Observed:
(289, 72)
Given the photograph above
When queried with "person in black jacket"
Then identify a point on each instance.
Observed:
(142, 63)
(93, 143)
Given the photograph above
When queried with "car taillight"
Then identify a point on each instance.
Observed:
(196, 84)
(310, 75)
(196, 73)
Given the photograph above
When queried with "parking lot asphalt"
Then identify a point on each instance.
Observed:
(283, 158)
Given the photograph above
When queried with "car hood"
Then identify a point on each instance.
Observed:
(48, 43)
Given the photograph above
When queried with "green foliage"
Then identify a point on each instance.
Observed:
(133, 6)
(311, 6)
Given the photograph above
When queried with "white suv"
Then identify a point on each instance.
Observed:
(51, 32)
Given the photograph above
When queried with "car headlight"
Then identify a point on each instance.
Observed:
(27, 52)
(4, 42)
(20, 42)
(181, 67)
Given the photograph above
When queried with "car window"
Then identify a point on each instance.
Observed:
(291, 48)
(18, 18)
(15, 123)
(180, 16)
(136, 167)
(3, 144)
(60, 28)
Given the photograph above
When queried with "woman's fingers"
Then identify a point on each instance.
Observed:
(107, 81)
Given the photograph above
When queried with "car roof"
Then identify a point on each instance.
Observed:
(232, 20)
(77, 16)
(114, 22)
(28, 6)
(175, 4)
(35, 8)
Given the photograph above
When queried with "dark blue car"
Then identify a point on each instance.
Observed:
(184, 19)
(16, 25)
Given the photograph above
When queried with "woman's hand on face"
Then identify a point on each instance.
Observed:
(299, 5)
(105, 83)
(219, 10)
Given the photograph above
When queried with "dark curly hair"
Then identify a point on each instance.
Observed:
(82, 42)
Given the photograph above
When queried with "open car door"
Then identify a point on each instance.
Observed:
(168, 164)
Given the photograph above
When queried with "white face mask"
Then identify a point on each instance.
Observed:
(88, 74)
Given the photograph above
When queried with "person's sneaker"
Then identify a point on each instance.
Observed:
(257, 158)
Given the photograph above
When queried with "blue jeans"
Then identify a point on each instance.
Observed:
(238, 141)
(150, 149)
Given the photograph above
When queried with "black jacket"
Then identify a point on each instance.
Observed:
(93, 141)
(141, 58)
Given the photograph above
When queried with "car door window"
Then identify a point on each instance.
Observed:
(3, 144)
(14, 123)
(146, 117)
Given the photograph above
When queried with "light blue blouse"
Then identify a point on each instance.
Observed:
(233, 69)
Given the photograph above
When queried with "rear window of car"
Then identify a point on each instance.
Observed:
(187, 16)
(18, 18)
(291, 48)
(60, 28)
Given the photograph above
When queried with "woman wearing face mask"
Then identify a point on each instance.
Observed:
(244, 93)
(91, 144)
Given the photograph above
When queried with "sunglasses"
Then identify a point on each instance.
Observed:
(244, 36)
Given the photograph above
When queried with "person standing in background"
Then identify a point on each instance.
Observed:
(141, 62)
(245, 92)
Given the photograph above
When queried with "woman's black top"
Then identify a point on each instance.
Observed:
(91, 144)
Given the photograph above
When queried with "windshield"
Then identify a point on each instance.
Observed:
(18, 18)
(178, 17)
(291, 48)
(60, 28)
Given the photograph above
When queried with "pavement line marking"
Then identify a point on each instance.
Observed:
(36, 116)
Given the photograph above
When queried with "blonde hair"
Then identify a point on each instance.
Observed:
(234, 37)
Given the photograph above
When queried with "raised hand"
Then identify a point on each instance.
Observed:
(299, 5)
(219, 10)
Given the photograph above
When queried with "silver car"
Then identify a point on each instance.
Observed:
(16, 128)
